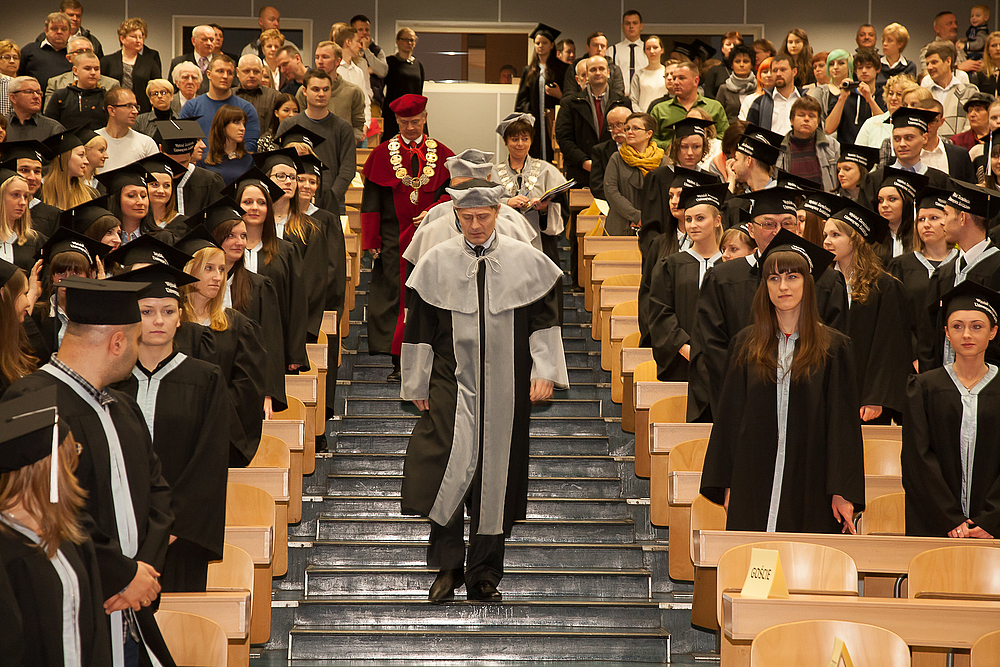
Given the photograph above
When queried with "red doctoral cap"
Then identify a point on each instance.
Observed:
(408, 105)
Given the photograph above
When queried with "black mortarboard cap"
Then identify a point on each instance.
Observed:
(797, 183)
(90, 301)
(131, 174)
(66, 240)
(689, 178)
(256, 177)
(974, 199)
(908, 183)
(163, 164)
(970, 295)
(147, 249)
(818, 258)
(546, 31)
(26, 431)
(863, 156)
(702, 49)
(6, 174)
(62, 142)
(685, 49)
(267, 161)
(913, 117)
(300, 134)
(178, 137)
(7, 271)
(767, 136)
(713, 195)
(220, 211)
(309, 164)
(161, 281)
(690, 126)
(85, 135)
(80, 218)
(758, 149)
(864, 221)
(823, 204)
(772, 201)
(933, 198)
(197, 239)
(30, 149)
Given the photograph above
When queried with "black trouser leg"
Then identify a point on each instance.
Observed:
(446, 550)
(485, 561)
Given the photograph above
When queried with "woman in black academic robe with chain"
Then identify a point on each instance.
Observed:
(789, 455)
(951, 429)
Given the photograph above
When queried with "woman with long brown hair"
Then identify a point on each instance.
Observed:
(255, 387)
(50, 587)
(17, 295)
(64, 185)
(796, 45)
(790, 403)
(541, 87)
(877, 317)
(227, 155)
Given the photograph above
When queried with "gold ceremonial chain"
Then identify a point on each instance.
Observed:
(507, 178)
(403, 174)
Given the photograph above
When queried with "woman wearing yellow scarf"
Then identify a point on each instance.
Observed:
(626, 172)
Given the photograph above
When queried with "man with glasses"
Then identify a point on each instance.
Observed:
(77, 46)
(220, 75)
(726, 299)
(125, 145)
(48, 58)
(25, 121)
(603, 151)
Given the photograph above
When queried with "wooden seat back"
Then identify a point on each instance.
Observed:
(807, 567)
(630, 341)
(882, 457)
(235, 570)
(688, 455)
(966, 571)
(985, 650)
(248, 506)
(272, 452)
(669, 410)
(296, 410)
(624, 309)
(193, 640)
(705, 515)
(618, 256)
(623, 280)
(812, 642)
(885, 515)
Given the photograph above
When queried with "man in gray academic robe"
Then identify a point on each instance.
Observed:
(481, 342)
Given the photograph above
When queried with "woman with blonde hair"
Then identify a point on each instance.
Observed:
(19, 242)
(988, 78)
(135, 64)
(49, 582)
(10, 61)
(271, 41)
(97, 155)
(64, 185)
(227, 155)
(895, 37)
(790, 398)
(877, 129)
(881, 346)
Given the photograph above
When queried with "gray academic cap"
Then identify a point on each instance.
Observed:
(513, 118)
(470, 163)
(479, 197)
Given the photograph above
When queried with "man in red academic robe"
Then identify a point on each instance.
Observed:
(404, 177)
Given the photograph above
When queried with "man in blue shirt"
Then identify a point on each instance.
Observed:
(220, 73)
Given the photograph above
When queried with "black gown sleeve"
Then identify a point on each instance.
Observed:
(831, 299)
(315, 260)
(710, 345)
(717, 472)
(930, 329)
(888, 359)
(247, 385)
(665, 332)
(160, 520)
(845, 455)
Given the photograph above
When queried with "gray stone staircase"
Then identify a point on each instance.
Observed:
(585, 576)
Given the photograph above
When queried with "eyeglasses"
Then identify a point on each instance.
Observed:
(408, 40)
(29, 92)
(127, 105)
(281, 178)
(11, 57)
(616, 126)
(630, 128)
(160, 93)
(770, 225)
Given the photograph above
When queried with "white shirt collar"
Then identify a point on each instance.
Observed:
(488, 244)
(973, 253)
(902, 62)
(418, 141)
(951, 84)
(919, 167)
(776, 95)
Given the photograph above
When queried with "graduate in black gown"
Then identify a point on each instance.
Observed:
(251, 294)
(16, 294)
(51, 597)
(789, 455)
(237, 343)
(26, 158)
(128, 511)
(19, 240)
(306, 237)
(65, 254)
(310, 174)
(896, 202)
(724, 307)
(877, 312)
(186, 407)
(931, 249)
(198, 187)
(541, 88)
(951, 430)
(274, 258)
(662, 230)
(676, 281)
(967, 212)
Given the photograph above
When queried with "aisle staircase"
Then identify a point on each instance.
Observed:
(585, 574)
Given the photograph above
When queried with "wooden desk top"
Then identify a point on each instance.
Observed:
(302, 387)
(623, 325)
(258, 541)
(585, 223)
(920, 622)
(230, 608)
(665, 436)
(289, 431)
(580, 198)
(647, 393)
(873, 554)
(683, 486)
(272, 480)
(595, 244)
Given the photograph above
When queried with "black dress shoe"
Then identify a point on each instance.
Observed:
(484, 591)
(444, 586)
(395, 376)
